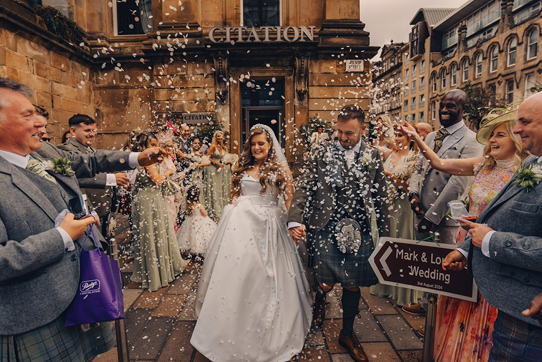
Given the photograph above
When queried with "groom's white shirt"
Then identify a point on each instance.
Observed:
(487, 237)
(349, 155)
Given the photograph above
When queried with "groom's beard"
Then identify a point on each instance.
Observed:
(349, 144)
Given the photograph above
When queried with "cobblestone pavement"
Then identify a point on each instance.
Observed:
(159, 325)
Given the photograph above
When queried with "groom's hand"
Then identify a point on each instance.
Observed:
(297, 233)
(454, 261)
(151, 155)
(535, 309)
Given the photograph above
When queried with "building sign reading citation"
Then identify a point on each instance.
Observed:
(418, 265)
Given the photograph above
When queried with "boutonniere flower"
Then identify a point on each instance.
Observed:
(367, 160)
(60, 165)
(528, 177)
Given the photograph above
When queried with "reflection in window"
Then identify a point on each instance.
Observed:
(443, 76)
(465, 70)
(509, 91)
(261, 13)
(494, 59)
(512, 49)
(479, 65)
(453, 80)
(532, 51)
(133, 17)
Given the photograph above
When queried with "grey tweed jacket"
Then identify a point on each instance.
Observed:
(512, 275)
(38, 280)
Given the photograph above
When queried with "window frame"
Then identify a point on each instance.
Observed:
(535, 44)
(465, 70)
(507, 92)
(434, 82)
(443, 76)
(479, 65)
(494, 60)
(242, 6)
(512, 53)
(453, 75)
(116, 27)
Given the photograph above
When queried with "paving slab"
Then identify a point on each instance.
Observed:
(150, 300)
(401, 335)
(377, 305)
(411, 356)
(315, 338)
(188, 313)
(382, 352)
(152, 338)
(367, 328)
(136, 319)
(170, 306)
(186, 282)
(313, 354)
(130, 296)
(177, 346)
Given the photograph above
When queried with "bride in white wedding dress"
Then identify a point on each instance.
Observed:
(253, 301)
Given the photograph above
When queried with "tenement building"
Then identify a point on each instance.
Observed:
(387, 82)
(136, 64)
(491, 44)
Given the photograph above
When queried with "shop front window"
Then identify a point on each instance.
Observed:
(261, 13)
(133, 17)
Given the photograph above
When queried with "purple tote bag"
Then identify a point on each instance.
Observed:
(99, 296)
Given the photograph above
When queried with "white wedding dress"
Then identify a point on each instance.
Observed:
(253, 299)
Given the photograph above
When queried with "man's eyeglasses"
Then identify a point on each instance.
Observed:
(46, 139)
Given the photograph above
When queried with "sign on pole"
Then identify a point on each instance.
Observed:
(418, 265)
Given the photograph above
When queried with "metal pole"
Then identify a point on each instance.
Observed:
(120, 327)
(430, 320)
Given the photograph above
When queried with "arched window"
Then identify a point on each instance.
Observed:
(443, 78)
(478, 69)
(465, 70)
(494, 62)
(532, 45)
(512, 50)
(453, 79)
(434, 82)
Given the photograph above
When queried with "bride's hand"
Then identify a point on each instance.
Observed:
(297, 233)
(407, 129)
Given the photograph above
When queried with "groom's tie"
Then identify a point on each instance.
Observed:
(37, 167)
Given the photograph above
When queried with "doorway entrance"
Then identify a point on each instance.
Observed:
(262, 101)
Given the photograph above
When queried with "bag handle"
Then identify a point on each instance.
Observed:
(86, 237)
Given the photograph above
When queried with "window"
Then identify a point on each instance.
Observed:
(132, 17)
(443, 76)
(465, 70)
(405, 107)
(433, 110)
(532, 46)
(478, 68)
(414, 42)
(261, 13)
(453, 80)
(413, 118)
(481, 18)
(509, 91)
(494, 62)
(414, 70)
(406, 74)
(422, 67)
(512, 49)
(434, 82)
(449, 38)
(413, 103)
(529, 84)
(420, 119)
(492, 90)
(421, 102)
(413, 86)
(422, 83)
(61, 5)
(406, 58)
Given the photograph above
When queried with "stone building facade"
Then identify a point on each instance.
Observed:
(143, 63)
(494, 44)
(387, 82)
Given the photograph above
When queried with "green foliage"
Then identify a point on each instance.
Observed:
(527, 179)
(308, 129)
(480, 102)
(58, 24)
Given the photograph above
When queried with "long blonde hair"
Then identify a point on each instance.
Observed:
(520, 154)
(272, 172)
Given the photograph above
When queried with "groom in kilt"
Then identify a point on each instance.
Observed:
(342, 188)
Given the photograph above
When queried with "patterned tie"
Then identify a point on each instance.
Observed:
(37, 167)
(441, 135)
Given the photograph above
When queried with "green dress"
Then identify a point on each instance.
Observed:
(216, 186)
(157, 258)
(401, 226)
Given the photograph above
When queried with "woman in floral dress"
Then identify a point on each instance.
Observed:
(463, 329)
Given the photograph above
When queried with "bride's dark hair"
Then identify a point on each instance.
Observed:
(271, 174)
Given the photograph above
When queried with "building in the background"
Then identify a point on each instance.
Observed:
(135, 64)
(417, 64)
(494, 45)
(387, 82)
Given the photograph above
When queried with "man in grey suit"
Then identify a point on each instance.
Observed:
(39, 263)
(343, 186)
(99, 188)
(504, 248)
(430, 189)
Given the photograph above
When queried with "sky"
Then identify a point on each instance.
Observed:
(390, 19)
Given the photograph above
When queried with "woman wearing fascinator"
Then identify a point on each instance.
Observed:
(253, 301)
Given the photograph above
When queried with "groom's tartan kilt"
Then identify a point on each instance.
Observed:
(332, 266)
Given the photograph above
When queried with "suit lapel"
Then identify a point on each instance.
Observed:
(68, 181)
(20, 181)
(452, 140)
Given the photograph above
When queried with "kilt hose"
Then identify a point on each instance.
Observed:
(54, 342)
(332, 266)
(515, 340)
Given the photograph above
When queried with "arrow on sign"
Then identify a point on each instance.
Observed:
(383, 261)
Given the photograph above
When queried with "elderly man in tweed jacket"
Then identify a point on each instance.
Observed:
(39, 263)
